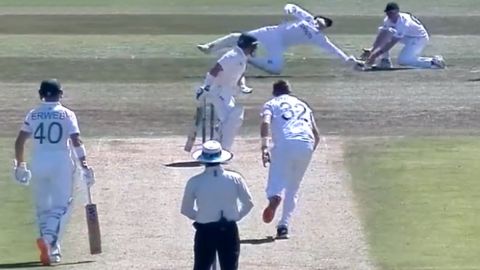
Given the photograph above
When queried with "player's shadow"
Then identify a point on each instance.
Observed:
(474, 80)
(32, 264)
(373, 69)
(184, 164)
(259, 241)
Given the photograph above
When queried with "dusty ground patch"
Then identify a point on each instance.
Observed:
(139, 198)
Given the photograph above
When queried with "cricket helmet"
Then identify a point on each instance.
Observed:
(246, 41)
(50, 88)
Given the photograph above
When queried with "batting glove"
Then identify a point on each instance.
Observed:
(200, 93)
(20, 173)
(88, 176)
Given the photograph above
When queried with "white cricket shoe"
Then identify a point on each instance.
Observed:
(438, 62)
(246, 90)
(204, 48)
(55, 258)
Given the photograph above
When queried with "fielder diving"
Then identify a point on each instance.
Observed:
(55, 136)
(276, 39)
(223, 83)
(404, 28)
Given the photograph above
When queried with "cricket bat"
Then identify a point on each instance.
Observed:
(93, 225)
(192, 136)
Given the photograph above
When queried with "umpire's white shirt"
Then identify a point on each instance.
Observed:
(213, 191)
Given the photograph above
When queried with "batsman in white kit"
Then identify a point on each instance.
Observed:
(276, 39)
(223, 83)
(55, 133)
(401, 27)
(295, 136)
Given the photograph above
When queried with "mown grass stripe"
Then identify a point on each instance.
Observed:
(175, 69)
(157, 24)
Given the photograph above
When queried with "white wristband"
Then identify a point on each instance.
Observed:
(208, 79)
(80, 151)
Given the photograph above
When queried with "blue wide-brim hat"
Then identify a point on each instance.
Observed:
(212, 152)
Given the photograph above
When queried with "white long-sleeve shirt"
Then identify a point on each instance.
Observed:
(213, 191)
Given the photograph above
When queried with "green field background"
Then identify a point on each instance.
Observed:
(129, 69)
(420, 200)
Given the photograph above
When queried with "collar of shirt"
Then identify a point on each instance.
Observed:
(50, 102)
(215, 170)
(240, 51)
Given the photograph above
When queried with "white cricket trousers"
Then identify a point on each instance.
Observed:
(229, 115)
(410, 54)
(52, 187)
(289, 161)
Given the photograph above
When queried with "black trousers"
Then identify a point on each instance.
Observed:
(221, 237)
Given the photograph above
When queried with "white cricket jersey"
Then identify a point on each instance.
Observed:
(234, 63)
(290, 33)
(51, 125)
(291, 119)
(407, 25)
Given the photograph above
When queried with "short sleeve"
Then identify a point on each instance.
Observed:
(72, 123)
(266, 109)
(26, 125)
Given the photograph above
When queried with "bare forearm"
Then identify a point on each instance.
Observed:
(19, 149)
(20, 146)
(264, 130)
(381, 39)
(384, 48)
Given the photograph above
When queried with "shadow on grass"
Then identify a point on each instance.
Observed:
(33, 264)
(474, 80)
(260, 241)
(387, 69)
(183, 164)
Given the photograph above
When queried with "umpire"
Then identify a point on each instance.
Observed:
(216, 192)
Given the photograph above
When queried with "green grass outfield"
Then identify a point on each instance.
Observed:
(117, 58)
(17, 220)
(420, 200)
